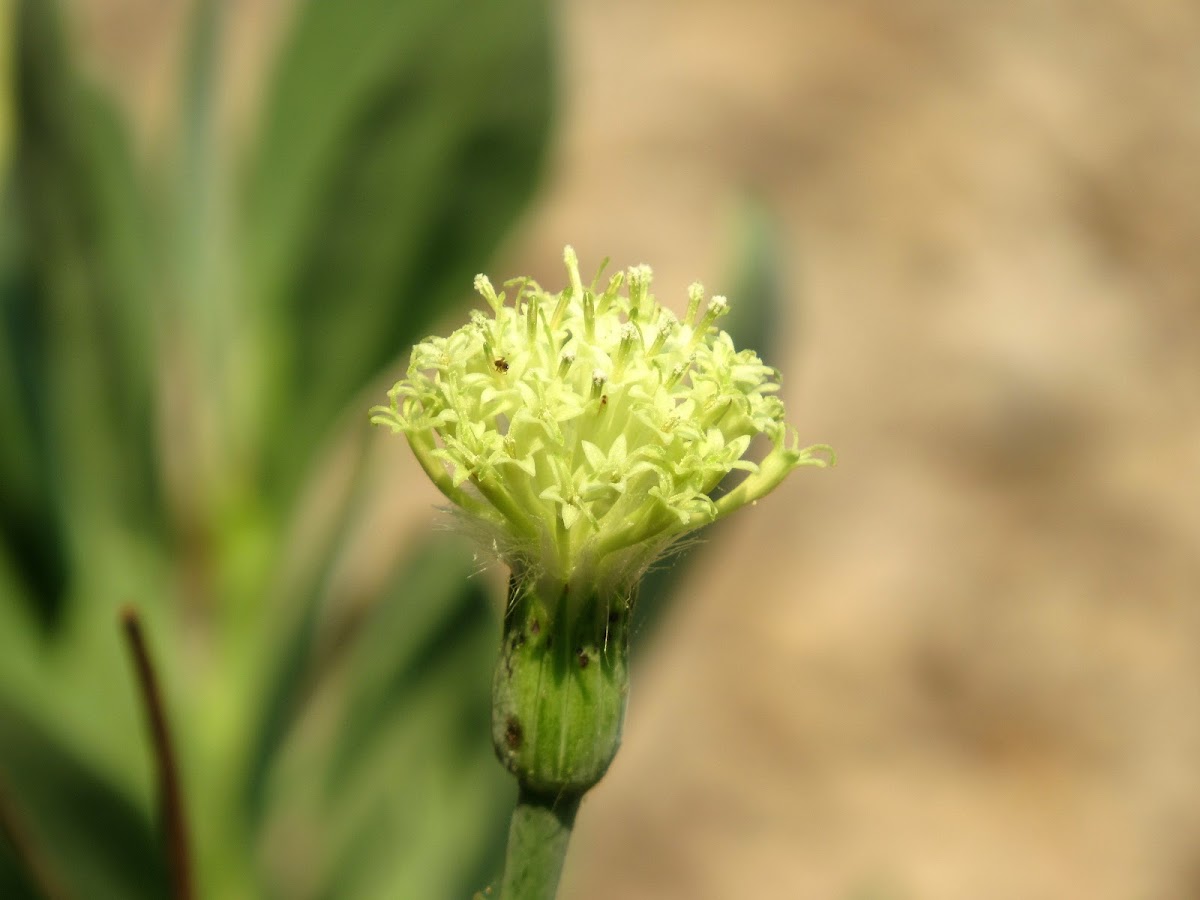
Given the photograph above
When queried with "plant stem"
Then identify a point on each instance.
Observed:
(170, 794)
(537, 845)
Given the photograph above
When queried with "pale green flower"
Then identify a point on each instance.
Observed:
(587, 430)
(581, 433)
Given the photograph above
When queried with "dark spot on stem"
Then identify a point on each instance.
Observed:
(583, 658)
(535, 627)
(513, 735)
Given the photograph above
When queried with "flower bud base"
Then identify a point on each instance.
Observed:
(559, 692)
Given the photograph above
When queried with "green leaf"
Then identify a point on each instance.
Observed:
(432, 608)
(755, 280)
(31, 514)
(400, 141)
(393, 768)
(287, 679)
(14, 883)
(75, 325)
(199, 189)
(6, 99)
(94, 841)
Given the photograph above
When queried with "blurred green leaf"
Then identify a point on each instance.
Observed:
(288, 677)
(431, 608)
(199, 190)
(75, 326)
(13, 881)
(402, 784)
(31, 517)
(95, 842)
(78, 486)
(400, 140)
(755, 280)
(6, 99)
(212, 360)
(6, 114)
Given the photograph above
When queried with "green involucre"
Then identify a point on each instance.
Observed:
(560, 688)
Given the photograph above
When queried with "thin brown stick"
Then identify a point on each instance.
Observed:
(37, 871)
(170, 794)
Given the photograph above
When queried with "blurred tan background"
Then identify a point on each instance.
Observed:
(966, 662)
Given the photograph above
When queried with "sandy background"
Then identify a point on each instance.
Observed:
(966, 662)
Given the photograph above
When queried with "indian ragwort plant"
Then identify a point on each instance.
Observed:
(579, 435)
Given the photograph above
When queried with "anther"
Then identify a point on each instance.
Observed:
(677, 373)
(695, 298)
(589, 315)
(639, 284)
(572, 263)
(666, 326)
(717, 307)
(564, 365)
(483, 286)
(629, 334)
(560, 309)
(610, 293)
(531, 318)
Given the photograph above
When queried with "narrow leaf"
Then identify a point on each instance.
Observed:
(400, 141)
(394, 769)
(75, 323)
(91, 837)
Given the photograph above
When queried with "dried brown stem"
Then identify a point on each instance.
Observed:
(170, 793)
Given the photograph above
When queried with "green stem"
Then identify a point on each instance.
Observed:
(537, 845)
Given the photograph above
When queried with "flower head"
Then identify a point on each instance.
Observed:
(588, 430)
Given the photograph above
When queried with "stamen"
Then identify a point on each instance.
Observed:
(572, 262)
(639, 284)
(610, 293)
(695, 298)
(629, 334)
(717, 307)
(666, 326)
(564, 365)
(677, 372)
(483, 286)
(603, 265)
(532, 308)
(589, 315)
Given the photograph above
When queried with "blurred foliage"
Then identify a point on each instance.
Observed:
(180, 345)
(177, 345)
